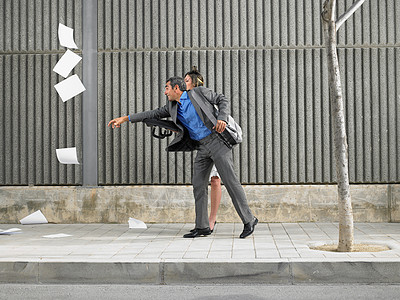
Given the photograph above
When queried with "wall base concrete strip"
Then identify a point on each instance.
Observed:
(284, 272)
(175, 204)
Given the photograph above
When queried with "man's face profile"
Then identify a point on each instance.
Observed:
(171, 93)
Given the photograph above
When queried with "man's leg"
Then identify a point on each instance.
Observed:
(201, 172)
(222, 157)
(223, 162)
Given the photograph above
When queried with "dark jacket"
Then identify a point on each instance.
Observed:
(182, 141)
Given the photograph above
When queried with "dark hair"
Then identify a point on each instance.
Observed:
(197, 78)
(176, 80)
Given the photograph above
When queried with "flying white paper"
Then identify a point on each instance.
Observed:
(58, 235)
(36, 218)
(66, 63)
(9, 231)
(133, 223)
(67, 156)
(66, 36)
(69, 88)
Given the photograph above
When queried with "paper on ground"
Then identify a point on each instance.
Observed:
(58, 235)
(9, 231)
(66, 63)
(36, 218)
(133, 223)
(67, 156)
(66, 36)
(70, 87)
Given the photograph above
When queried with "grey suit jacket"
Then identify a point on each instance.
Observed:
(182, 141)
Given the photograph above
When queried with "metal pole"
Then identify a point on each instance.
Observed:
(89, 105)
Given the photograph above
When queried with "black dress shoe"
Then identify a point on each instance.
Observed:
(198, 232)
(211, 229)
(249, 228)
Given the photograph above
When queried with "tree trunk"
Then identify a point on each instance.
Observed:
(346, 231)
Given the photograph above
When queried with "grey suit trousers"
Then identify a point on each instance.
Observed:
(213, 150)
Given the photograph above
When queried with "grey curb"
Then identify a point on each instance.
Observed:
(163, 272)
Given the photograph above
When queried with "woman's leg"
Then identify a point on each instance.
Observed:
(216, 194)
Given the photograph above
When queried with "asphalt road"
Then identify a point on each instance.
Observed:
(198, 292)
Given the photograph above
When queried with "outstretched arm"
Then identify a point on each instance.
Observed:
(158, 113)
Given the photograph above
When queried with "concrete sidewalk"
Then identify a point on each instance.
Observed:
(277, 253)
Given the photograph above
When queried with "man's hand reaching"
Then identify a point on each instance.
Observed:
(116, 123)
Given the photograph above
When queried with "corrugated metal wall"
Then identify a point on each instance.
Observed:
(34, 122)
(266, 56)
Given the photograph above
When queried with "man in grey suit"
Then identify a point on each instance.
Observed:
(197, 132)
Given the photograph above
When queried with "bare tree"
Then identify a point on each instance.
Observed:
(331, 25)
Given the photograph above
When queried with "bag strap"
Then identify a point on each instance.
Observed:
(205, 109)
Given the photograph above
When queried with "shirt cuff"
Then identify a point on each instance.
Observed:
(129, 117)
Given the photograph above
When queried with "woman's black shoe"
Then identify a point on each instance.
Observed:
(214, 226)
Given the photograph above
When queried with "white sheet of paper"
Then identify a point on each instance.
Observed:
(9, 231)
(58, 235)
(67, 156)
(66, 63)
(133, 223)
(70, 87)
(36, 218)
(66, 36)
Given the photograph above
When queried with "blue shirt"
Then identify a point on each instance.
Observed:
(188, 116)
